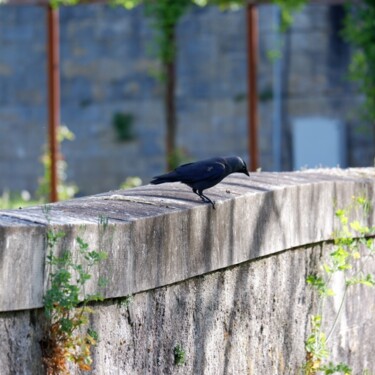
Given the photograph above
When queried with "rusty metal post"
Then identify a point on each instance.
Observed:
(53, 77)
(252, 53)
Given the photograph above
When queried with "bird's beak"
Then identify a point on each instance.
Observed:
(246, 172)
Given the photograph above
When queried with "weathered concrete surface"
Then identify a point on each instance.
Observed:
(160, 235)
(250, 319)
(227, 285)
(247, 320)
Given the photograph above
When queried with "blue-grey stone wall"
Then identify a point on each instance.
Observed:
(108, 65)
(22, 96)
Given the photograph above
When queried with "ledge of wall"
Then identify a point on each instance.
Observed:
(159, 235)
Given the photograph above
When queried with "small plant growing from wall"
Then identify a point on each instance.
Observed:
(67, 338)
(123, 125)
(125, 301)
(353, 242)
(179, 355)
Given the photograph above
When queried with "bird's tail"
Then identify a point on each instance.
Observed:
(168, 177)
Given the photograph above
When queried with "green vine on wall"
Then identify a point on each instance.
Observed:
(359, 30)
(67, 338)
(287, 8)
(353, 242)
(165, 15)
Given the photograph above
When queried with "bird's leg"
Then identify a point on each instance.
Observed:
(208, 200)
(204, 197)
(199, 195)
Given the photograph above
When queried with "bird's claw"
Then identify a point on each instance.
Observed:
(207, 200)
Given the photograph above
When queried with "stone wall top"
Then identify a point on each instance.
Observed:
(158, 235)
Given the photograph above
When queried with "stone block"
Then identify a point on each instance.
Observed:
(204, 228)
(232, 280)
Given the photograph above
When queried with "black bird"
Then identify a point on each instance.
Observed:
(203, 174)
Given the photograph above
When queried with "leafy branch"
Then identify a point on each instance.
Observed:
(359, 30)
(353, 241)
(66, 307)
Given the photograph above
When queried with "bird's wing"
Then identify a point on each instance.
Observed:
(203, 170)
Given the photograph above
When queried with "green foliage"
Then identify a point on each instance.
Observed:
(12, 200)
(123, 125)
(165, 15)
(65, 306)
(56, 3)
(103, 221)
(179, 355)
(127, 4)
(126, 301)
(65, 190)
(53, 238)
(320, 285)
(317, 341)
(332, 368)
(288, 7)
(350, 245)
(223, 4)
(178, 157)
(131, 182)
(359, 30)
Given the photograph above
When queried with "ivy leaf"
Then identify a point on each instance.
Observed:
(332, 368)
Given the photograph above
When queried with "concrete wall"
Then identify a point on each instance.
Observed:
(107, 66)
(227, 285)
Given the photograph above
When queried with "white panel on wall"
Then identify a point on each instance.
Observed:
(318, 141)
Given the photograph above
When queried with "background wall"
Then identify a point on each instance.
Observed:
(108, 66)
